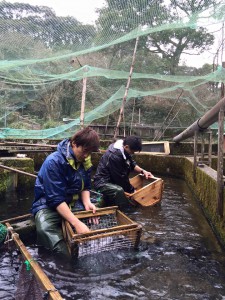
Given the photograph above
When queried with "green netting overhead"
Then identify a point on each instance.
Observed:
(45, 60)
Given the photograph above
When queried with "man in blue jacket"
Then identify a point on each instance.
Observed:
(64, 177)
(112, 175)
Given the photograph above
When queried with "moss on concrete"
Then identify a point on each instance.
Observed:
(205, 189)
(3, 181)
(165, 165)
(38, 158)
(10, 179)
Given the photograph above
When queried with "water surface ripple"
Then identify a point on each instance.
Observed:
(178, 258)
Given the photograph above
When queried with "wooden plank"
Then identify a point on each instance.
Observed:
(108, 234)
(99, 212)
(90, 214)
(102, 231)
(150, 194)
(137, 182)
(18, 171)
(66, 236)
(123, 219)
(38, 272)
(69, 229)
(166, 148)
(28, 144)
(18, 218)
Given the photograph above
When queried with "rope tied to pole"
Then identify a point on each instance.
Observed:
(28, 264)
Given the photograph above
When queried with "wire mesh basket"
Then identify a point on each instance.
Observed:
(114, 230)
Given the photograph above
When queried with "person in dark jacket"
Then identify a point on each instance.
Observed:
(64, 177)
(112, 175)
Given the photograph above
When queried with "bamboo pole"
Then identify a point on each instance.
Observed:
(126, 90)
(83, 101)
(18, 171)
(132, 118)
(37, 270)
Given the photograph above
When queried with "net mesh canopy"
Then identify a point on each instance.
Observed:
(46, 60)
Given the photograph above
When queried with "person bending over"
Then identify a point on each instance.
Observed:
(64, 177)
(112, 174)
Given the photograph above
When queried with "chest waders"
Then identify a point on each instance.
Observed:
(49, 222)
(113, 194)
(49, 231)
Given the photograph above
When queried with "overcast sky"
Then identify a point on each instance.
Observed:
(85, 12)
(82, 10)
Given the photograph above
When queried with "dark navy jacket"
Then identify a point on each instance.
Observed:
(58, 181)
(114, 168)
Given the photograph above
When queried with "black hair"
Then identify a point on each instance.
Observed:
(87, 138)
(134, 142)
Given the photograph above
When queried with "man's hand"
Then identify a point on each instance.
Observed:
(91, 206)
(147, 174)
(80, 227)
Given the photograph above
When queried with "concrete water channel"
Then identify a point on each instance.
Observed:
(180, 255)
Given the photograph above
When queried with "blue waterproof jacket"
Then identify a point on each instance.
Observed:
(60, 178)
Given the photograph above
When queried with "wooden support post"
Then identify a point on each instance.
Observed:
(220, 182)
(210, 148)
(126, 90)
(106, 127)
(222, 84)
(132, 118)
(195, 155)
(202, 146)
